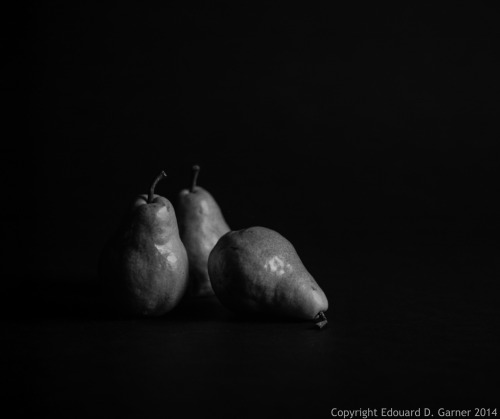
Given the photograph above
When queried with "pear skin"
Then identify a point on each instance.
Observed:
(201, 224)
(144, 267)
(257, 270)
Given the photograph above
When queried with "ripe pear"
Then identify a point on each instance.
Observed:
(201, 224)
(144, 267)
(257, 270)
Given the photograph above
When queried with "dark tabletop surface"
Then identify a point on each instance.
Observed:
(413, 326)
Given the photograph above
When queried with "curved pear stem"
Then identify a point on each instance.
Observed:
(151, 195)
(322, 321)
(196, 171)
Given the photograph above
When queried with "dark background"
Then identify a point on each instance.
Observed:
(365, 135)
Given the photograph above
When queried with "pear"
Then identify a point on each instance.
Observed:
(257, 270)
(201, 224)
(144, 267)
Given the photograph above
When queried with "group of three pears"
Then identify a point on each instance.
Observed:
(156, 258)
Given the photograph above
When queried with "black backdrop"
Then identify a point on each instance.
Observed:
(365, 135)
(315, 121)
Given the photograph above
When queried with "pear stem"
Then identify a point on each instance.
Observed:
(151, 195)
(322, 321)
(196, 171)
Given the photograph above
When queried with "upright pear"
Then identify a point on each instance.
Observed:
(144, 267)
(201, 224)
(257, 270)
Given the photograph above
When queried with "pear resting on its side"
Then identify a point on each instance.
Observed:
(257, 270)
